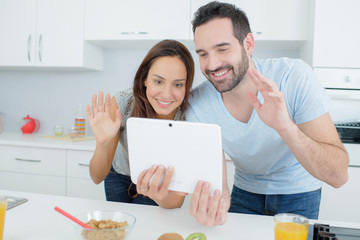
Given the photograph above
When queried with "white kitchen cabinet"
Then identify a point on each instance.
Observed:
(274, 20)
(110, 21)
(336, 34)
(342, 204)
(31, 169)
(42, 33)
(78, 181)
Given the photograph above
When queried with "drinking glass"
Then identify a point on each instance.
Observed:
(290, 227)
(3, 204)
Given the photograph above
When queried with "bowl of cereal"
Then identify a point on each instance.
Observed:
(105, 224)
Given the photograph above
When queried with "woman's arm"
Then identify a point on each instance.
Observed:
(105, 122)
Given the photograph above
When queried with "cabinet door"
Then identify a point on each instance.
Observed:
(32, 183)
(18, 35)
(137, 19)
(60, 37)
(78, 182)
(337, 34)
(268, 21)
(342, 204)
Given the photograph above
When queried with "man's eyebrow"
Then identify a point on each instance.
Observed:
(215, 46)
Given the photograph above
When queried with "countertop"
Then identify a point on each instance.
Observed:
(36, 140)
(37, 219)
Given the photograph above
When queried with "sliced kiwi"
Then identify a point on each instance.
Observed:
(196, 236)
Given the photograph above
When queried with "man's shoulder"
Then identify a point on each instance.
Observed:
(280, 64)
(201, 92)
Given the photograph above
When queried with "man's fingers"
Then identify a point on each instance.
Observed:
(195, 199)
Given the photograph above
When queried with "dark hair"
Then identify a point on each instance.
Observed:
(142, 107)
(216, 9)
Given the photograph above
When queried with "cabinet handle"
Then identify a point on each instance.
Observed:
(84, 165)
(354, 166)
(27, 160)
(257, 33)
(40, 47)
(134, 33)
(29, 48)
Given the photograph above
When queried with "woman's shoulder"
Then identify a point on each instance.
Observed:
(125, 102)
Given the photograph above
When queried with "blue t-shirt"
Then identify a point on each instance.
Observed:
(264, 163)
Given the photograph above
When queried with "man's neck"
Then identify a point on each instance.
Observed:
(237, 102)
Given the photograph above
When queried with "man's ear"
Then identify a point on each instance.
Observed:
(249, 44)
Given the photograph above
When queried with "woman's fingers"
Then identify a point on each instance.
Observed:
(93, 104)
(101, 101)
(107, 103)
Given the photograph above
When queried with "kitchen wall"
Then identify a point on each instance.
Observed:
(53, 96)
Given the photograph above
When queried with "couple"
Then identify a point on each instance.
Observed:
(273, 115)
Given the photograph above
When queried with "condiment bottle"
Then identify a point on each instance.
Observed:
(80, 121)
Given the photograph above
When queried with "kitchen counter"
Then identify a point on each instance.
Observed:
(37, 219)
(35, 140)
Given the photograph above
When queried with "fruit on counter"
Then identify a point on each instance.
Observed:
(196, 236)
(171, 236)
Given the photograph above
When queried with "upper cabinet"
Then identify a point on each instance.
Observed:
(336, 34)
(108, 21)
(42, 33)
(274, 20)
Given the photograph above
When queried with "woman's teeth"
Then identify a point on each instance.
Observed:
(163, 102)
(219, 74)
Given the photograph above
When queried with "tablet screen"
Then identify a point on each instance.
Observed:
(193, 149)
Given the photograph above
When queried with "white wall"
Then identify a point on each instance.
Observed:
(53, 96)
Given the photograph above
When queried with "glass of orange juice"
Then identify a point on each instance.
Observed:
(3, 203)
(290, 226)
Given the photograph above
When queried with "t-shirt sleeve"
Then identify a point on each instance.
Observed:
(124, 101)
(305, 96)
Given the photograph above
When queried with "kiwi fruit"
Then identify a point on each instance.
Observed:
(171, 236)
(196, 236)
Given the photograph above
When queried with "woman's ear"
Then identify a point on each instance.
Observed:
(145, 83)
(249, 44)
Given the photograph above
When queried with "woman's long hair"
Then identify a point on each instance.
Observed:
(142, 107)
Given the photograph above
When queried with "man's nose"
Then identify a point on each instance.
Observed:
(213, 62)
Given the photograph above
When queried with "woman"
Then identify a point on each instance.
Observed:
(161, 90)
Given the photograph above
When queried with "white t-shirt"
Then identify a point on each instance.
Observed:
(264, 163)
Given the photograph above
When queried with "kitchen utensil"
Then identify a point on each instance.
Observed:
(32, 125)
(103, 219)
(84, 225)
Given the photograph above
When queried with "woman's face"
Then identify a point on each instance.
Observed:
(165, 86)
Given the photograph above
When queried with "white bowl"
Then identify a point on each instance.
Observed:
(120, 233)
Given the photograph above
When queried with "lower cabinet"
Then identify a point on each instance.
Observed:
(78, 181)
(343, 204)
(48, 171)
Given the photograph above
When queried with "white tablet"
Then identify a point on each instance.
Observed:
(193, 149)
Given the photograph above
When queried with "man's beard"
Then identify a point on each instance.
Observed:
(238, 74)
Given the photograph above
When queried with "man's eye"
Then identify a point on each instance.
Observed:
(222, 49)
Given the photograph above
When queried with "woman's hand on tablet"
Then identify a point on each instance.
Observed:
(154, 183)
(209, 210)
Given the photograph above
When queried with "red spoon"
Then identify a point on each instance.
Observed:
(84, 225)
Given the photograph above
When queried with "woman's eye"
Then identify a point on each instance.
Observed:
(179, 85)
(157, 81)
(222, 49)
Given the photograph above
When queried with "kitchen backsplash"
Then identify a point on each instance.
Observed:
(52, 97)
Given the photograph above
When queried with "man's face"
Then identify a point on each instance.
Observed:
(223, 60)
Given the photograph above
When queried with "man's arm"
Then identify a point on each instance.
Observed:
(317, 147)
(315, 144)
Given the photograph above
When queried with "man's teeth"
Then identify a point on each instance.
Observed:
(219, 74)
(163, 102)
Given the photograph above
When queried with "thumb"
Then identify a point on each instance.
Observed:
(254, 101)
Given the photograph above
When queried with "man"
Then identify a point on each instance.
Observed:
(274, 119)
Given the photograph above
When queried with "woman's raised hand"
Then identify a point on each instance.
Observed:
(101, 122)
